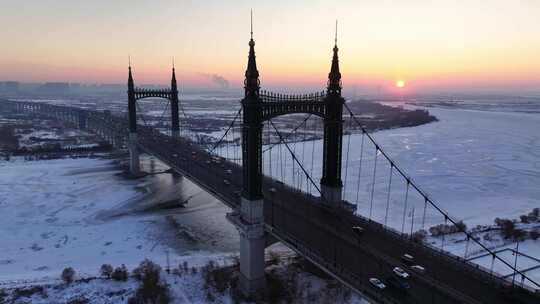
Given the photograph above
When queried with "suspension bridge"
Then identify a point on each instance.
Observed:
(354, 216)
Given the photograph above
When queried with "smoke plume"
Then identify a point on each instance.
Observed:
(218, 80)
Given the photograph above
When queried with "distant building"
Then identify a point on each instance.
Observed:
(54, 87)
(9, 86)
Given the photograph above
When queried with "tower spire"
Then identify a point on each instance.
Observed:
(251, 83)
(174, 87)
(334, 77)
(131, 84)
(335, 39)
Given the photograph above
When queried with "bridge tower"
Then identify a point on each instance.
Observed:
(259, 106)
(252, 239)
(135, 94)
(331, 184)
(134, 162)
(175, 122)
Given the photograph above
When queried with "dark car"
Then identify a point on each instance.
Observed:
(358, 231)
(398, 284)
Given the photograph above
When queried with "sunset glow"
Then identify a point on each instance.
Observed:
(400, 83)
(442, 45)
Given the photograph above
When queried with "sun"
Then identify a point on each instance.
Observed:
(400, 83)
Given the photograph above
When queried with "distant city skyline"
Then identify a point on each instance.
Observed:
(430, 45)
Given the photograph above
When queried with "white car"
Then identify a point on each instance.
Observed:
(418, 268)
(401, 273)
(377, 283)
(407, 258)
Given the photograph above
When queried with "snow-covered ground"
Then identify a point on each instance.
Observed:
(186, 286)
(80, 213)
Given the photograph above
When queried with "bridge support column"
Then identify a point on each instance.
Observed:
(175, 121)
(332, 194)
(134, 164)
(250, 225)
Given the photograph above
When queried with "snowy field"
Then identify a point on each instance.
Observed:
(80, 213)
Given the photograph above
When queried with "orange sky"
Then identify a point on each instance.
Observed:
(431, 44)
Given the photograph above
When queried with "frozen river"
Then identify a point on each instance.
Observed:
(477, 164)
(82, 213)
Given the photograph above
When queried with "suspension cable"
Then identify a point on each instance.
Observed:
(405, 206)
(164, 111)
(141, 113)
(347, 160)
(432, 203)
(388, 197)
(424, 216)
(312, 155)
(289, 135)
(295, 159)
(304, 147)
(360, 169)
(373, 184)
(227, 131)
(269, 142)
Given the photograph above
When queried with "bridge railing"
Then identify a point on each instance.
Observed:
(268, 96)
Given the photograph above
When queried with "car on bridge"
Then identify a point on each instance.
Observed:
(377, 283)
(398, 284)
(401, 273)
(407, 259)
(358, 230)
(418, 268)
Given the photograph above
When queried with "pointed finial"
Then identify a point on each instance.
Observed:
(252, 83)
(251, 23)
(173, 62)
(335, 39)
(129, 61)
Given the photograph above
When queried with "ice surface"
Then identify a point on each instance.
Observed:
(79, 213)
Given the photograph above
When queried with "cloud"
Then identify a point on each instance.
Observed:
(217, 79)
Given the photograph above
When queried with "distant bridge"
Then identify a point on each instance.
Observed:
(323, 228)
